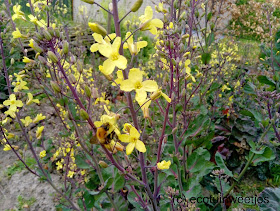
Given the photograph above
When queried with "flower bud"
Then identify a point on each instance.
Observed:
(38, 36)
(88, 1)
(51, 31)
(47, 35)
(94, 93)
(156, 95)
(80, 66)
(55, 87)
(145, 26)
(52, 57)
(87, 91)
(37, 48)
(136, 5)
(84, 114)
(65, 48)
(72, 79)
(185, 36)
(103, 164)
(12, 61)
(97, 29)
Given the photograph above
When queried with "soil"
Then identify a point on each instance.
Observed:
(25, 184)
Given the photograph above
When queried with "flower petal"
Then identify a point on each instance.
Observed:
(150, 86)
(156, 23)
(140, 146)
(135, 74)
(127, 86)
(130, 148)
(121, 62)
(141, 95)
(124, 138)
(134, 133)
(108, 67)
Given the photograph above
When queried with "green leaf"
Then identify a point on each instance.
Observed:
(267, 155)
(118, 182)
(249, 88)
(205, 58)
(220, 162)
(198, 162)
(81, 162)
(266, 80)
(89, 200)
(131, 198)
(271, 199)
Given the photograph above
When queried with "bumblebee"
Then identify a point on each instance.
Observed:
(103, 135)
(107, 138)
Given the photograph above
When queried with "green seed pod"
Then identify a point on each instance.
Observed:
(84, 114)
(97, 28)
(52, 57)
(136, 5)
(65, 48)
(87, 91)
(72, 79)
(12, 50)
(47, 35)
(55, 87)
(88, 1)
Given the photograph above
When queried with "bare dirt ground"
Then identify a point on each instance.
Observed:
(23, 184)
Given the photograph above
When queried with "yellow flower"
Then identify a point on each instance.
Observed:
(20, 85)
(133, 140)
(26, 60)
(13, 102)
(59, 164)
(34, 20)
(7, 147)
(135, 82)
(38, 118)
(160, 8)
(17, 34)
(114, 58)
(11, 112)
(134, 48)
(70, 174)
(100, 41)
(26, 121)
(39, 132)
(148, 23)
(163, 165)
(224, 87)
(30, 99)
(18, 13)
(110, 121)
(43, 154)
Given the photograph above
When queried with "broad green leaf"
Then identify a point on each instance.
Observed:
(266, 80)
(205, 58)
(81, 162)
(220, 162)
(271, 199)
(119, 182)
(267, 155)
